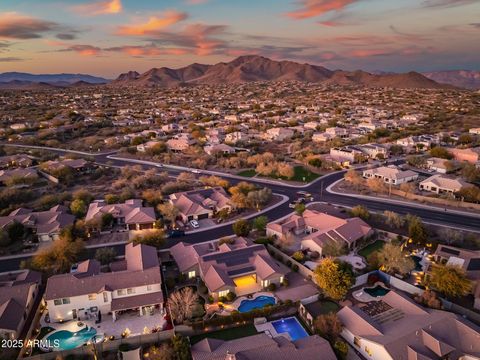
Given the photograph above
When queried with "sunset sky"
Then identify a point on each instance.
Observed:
(108, 37)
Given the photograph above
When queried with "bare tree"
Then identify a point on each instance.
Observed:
(181, 304)
(393, 219)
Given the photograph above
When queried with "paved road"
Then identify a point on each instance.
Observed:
(317, 189)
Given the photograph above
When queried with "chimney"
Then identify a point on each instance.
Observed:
(230, 356)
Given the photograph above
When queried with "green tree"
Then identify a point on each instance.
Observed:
(16, 231)
(242, 227)
(4, 238)
(361, 212)
(416, 230)
(155, 238)
(300, 208)
(260, 223)
(112, 199)
(181, 347)
(169, 211)
(450, 280)
(105, 255)
(107, 220)
(441, 152)
(78, 208)
(394, 260)
(58, 257)
(393, 219)
(334, 277)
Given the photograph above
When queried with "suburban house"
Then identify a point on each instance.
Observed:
(441, 166)
(278, 134)
(17, 297)
(236, 136)
(79, 165)
(46, 225)
(131, 215)
(339, 132)
(396, 327)
(180, 142)
(237, 266)
(133, 284)
(391, 174)
(374, 151)
(148, 145)
(219, 149)
(322, 137)
(348, 154)
(475, 131)
(316, 228)
(15, 161)
(471, 155)
(263, 347)
(201, 204)
(468, 260)
(441, 184)
(20, 175)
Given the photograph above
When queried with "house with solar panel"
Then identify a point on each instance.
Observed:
(468, 260)
(237, 266)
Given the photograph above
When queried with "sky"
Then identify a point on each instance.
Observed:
(108, 37)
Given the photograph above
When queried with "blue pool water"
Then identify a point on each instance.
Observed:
(67, 340)
(290, 326)
(257, 303)
(376, 291)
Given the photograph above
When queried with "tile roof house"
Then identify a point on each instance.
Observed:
(180, 142)
(45, 224)
(201, 204)
(471, 155)
(397, 328)
(441, 165)
(263, 347)
(220, 149)
(133, 283)
(131, 215)
(468, 260)
(27, 175)
(79, 165)
(18, 293)
(391, 174)
(238, 266)
(442, 184)
(278, 134)
(18, 160)
(317, 228)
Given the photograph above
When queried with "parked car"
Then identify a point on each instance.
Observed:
(194, 224)
(175, 233)
(196, 171)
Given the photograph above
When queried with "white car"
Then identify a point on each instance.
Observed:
(195, 171)
(194, 224)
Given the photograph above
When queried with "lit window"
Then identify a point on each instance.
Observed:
(92, 297)
(191, 274)
(223, 293)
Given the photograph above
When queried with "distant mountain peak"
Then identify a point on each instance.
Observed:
(469, 79)
(250, 68)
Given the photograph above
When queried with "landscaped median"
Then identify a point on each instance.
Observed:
(300, 174)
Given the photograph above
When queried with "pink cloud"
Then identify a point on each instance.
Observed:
(153, 24)
(312, 8)
(100, 7)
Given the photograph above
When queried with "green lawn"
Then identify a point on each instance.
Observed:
(247, 173)
(369, 249)
(227, 334)
(329, 307)
(303, 175)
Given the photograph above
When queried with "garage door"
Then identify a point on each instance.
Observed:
(203, 216)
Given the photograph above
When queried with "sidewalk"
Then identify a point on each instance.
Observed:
(330, 190)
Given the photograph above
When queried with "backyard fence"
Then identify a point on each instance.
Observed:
(302, 269)
(107, 346)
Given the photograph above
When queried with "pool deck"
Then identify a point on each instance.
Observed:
(228, 308)
(362, 296)
(269, 329)
(136, 324)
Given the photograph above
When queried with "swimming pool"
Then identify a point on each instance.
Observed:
(290, 326)
(376, 291)
(67, 340)
(257, 303)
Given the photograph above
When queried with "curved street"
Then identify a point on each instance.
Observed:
(318, 189)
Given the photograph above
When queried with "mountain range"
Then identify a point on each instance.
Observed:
(257, 68)
(245, 69)
(467, 79)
